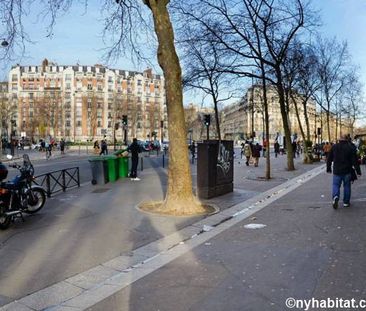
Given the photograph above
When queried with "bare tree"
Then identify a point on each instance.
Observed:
(354, 100)
(333, 61)
(257, 35)
(204, 68)
(302, 83)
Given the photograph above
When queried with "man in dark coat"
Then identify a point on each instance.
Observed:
(135, 149)
(256, 153)
(344, 158)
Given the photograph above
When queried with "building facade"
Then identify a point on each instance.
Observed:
(80, 103)
(246, 118)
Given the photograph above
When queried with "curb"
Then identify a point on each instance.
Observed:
(86, 289)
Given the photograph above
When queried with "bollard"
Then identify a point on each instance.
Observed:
(163, 161)
(142, 164)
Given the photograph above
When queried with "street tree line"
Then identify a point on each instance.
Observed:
(221, 42)
(275, 43)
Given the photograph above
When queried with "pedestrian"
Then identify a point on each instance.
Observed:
(326, 149)
(135, 149)
(264, 147)
(96, 147)
(193, 149)
(62, 146)
(256, 153)
(247, 151)
(294, 147)
(276, 148)
(104, 147)
(48, 147)
(344, 158)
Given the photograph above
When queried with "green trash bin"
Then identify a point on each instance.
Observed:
(99, 171)
(111, 167)
(123, 167)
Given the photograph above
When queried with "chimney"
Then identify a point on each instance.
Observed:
(148, 73)
(44, 64)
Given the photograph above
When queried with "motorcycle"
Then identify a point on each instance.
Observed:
(18, 195)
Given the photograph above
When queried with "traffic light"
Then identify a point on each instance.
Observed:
(124, 120)
(207, 119)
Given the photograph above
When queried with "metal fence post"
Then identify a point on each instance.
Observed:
(48, 185)
(63, 181)
(78, 173)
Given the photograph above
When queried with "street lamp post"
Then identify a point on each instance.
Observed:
(12, 124)
(162, 130)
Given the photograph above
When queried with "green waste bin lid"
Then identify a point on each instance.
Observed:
(109, 157)
(118, 152)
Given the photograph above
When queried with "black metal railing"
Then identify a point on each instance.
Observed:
(57, 181)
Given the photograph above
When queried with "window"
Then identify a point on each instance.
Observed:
(14, 78)
(78, 123)
(68, 77)
(139, 82)
(90, 87)
(68, 123)
(99, 123)
(109, 124)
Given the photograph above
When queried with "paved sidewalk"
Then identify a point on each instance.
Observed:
(99, 227)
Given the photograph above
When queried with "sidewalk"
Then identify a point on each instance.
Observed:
(71, 236)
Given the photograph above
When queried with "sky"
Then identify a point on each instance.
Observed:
(77, 37)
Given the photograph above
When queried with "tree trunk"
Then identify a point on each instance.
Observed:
(306, 155)
(217, 118)
(179, 197)
(286, 127)
(328, 126)
(266, 118)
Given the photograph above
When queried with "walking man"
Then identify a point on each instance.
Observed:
(104, 148)
(276, 148)
(344, 158)
(135, 149)
(62, 146)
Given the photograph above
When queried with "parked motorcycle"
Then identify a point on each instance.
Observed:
(18, 195)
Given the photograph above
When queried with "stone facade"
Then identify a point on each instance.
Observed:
(80, 103)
